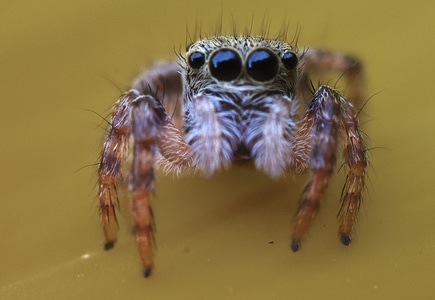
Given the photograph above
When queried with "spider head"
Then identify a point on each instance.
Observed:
(239, 101)
(231, 64)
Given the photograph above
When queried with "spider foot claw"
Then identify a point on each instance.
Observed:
(295, 245)
(109, 245)
(147, 272)
(345, 239)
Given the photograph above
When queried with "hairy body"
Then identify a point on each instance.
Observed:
(230, 98)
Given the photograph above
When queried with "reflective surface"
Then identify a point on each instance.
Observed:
(227, 237)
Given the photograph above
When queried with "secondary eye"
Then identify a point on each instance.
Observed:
(196, 59)
(262, 65)
(290, 60)
(225, 65)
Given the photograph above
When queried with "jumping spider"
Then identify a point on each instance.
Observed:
(231, 98)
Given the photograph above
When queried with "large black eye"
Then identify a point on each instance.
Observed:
(290, 60)
(196, 59)
(225, 65)
(262, 65)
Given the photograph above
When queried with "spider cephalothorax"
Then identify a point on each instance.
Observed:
(240, 102)
(238, 98)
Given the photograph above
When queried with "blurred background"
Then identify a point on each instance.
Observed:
(63, 63)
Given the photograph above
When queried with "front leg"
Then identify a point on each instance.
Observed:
(316, 144)
(141, 116)
(152, 132)
(147, 120)
(322, 123)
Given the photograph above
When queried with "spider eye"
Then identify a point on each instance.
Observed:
(225, 65)
(188, 47)
(262, 65)
(290, 60)
(196, 59)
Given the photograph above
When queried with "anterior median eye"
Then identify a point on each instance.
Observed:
(225, 65)
(196, 59)
(262, 65)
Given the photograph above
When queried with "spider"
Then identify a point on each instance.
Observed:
(231, 98)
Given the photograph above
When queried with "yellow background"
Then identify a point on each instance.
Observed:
(59, 60)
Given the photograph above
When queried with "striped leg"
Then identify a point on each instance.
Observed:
(354, 152)
(147, 120)
(141, 116)
(328, 115)
(112, 156)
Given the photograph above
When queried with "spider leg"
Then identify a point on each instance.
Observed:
(147, 119)
(142, 115)
(112, 155)
(328, 115)
(315, 61)
(153, 133)
(156, 141)
(163, 81)
(354, 152)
